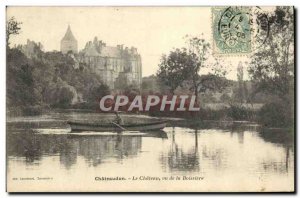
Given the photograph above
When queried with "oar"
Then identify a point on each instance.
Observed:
(119, 126)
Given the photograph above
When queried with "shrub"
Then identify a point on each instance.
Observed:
(35, 110)
(239, 113)
(275, 115)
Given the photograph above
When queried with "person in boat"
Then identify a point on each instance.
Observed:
(118, 119)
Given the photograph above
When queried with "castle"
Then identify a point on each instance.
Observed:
(116, 66)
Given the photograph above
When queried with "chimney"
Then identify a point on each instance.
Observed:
(120, 47)
(133, 50)
(95, 40)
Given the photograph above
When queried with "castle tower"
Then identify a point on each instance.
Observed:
(68, 42)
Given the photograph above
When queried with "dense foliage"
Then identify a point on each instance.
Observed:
(48, 80)
(184, 67)
(272, 67)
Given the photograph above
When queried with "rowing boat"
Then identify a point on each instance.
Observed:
(100, 127)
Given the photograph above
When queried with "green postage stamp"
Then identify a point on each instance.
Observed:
(238, 30)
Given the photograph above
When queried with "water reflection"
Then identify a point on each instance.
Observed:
(243, 150)
(284, 138)
(24, 145)
(95, 149)
(179, 160)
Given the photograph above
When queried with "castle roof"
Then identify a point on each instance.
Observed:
(111, 52)
(106, 51)
(69, 35)
(99, 48)
(91, 51)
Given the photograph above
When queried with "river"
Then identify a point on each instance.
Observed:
(42, 154)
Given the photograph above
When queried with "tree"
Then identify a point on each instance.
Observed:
(97, 92)
(240, 96)
(20, 79)
(200, 50)
(12, 28)
(172, 68)
(272, 66)
(183, 67)
(272, 69)
(225, 98)
(65, 97)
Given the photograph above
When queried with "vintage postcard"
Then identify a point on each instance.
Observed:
(150, 99)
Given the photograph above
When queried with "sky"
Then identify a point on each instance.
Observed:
(153, 30)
